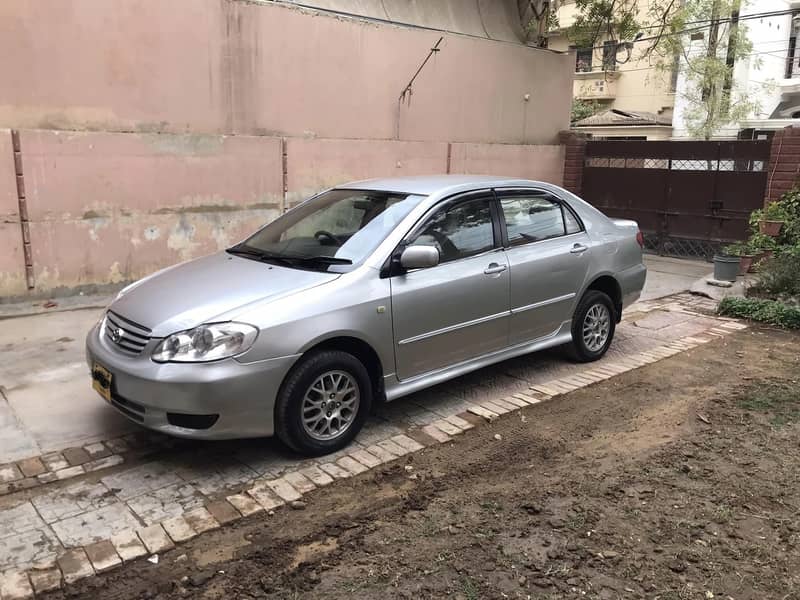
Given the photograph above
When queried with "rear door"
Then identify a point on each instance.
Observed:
(548, 253)
(459, 309)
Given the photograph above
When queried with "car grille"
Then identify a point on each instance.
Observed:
(126, 335)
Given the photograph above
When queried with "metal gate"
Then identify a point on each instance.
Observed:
(688, 197)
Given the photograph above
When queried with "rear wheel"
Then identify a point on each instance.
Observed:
(323, 403)
(593, 326)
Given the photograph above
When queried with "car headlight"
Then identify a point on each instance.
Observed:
(206, 343)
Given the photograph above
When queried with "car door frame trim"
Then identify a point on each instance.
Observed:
(542, 303)
(456, 327)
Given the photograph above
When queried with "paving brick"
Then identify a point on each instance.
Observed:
(76, 456)
(266, 496)
(509, 406)
(283, 489)
(420, 436)
(103, 556)
(351, 465)
(563, 385)
(459, 422)
(545, 389)
(9, 473)
(300, 482)
(492, 406)
(335, 471)
(19, 484)
(118, 446)
(244, 504)
(45, 580)
(384, 455)
(487, 414)
(532, 396)
(436, 433)
(128, 545)
(201, 520)
(317, 475)
(75, 565)
(97, 450)
(104, 463)
(393, 447)
(178, 529)
(31, 467)
(155, 539)
(406, 442)
(365, 458)
(223, 511)
(95, 525)
(517, 402)
(14, 585)
(54, 461)
(60, 475)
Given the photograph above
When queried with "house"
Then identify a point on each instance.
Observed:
(632, 97)
(769, 75)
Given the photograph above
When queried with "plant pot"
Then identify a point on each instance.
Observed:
(745, 263)
(726, 268)
(770, 228)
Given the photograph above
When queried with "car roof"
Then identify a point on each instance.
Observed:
(426, 185)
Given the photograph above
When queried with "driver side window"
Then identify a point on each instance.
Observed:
(459, 231)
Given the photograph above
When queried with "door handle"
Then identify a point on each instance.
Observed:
(578, 249)
(494, 268)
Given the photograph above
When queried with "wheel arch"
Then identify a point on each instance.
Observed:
(609, 285)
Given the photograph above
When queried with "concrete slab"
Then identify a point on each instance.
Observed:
(666, 275)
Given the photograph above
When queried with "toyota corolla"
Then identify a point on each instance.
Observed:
(364, 293)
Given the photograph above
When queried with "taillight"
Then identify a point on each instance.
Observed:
(640, 239)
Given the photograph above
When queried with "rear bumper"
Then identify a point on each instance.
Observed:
(219, 400)
(631, 282)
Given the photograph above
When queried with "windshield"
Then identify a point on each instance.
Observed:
(331, 231)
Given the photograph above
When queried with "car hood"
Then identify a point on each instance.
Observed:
(208, 289)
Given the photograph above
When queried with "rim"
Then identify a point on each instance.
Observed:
(330, 405)
(596, 325)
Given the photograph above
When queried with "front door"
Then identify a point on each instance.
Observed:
(548, 253)
(457, 310)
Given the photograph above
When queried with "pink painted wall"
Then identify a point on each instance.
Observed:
(153, 132)
(107, 207)
(314, 165)
(543, 163)
(12, 263)
(224, 66)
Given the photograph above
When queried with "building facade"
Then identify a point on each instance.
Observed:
(613, 75)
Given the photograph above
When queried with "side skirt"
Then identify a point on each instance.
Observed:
(396, 389)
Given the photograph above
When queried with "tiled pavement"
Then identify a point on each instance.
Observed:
(64, 531)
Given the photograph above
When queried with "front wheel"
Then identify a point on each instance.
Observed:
(593, 326)
(323, 403)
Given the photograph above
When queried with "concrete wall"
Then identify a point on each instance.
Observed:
(223, 66)
(153, 133)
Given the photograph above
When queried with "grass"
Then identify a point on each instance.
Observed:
(765, 311)
(469, 588)
(780, 398)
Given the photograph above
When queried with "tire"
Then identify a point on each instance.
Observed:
(319, 382)
(600, 306)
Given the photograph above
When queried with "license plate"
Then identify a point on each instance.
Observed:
(101, 381)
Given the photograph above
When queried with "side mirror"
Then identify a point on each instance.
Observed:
(419, 257)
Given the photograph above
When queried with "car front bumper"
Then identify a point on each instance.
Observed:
(218, 400)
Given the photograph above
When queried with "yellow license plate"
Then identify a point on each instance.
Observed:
(101, 381)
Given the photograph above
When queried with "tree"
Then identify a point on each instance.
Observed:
(702, 38)
(582, 109)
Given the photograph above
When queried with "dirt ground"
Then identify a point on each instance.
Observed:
(675, 481)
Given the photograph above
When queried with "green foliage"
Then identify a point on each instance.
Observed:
(780, 275)
(582, 109)
(765, 311)
(774, 211)
(712, 96)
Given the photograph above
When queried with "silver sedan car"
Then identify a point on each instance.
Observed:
(364, 293)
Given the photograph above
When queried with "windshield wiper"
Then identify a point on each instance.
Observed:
(261, 255)
(327, 260)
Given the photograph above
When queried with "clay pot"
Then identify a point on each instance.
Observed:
(770, 228)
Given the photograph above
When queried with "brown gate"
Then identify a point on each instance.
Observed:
(688, 197)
